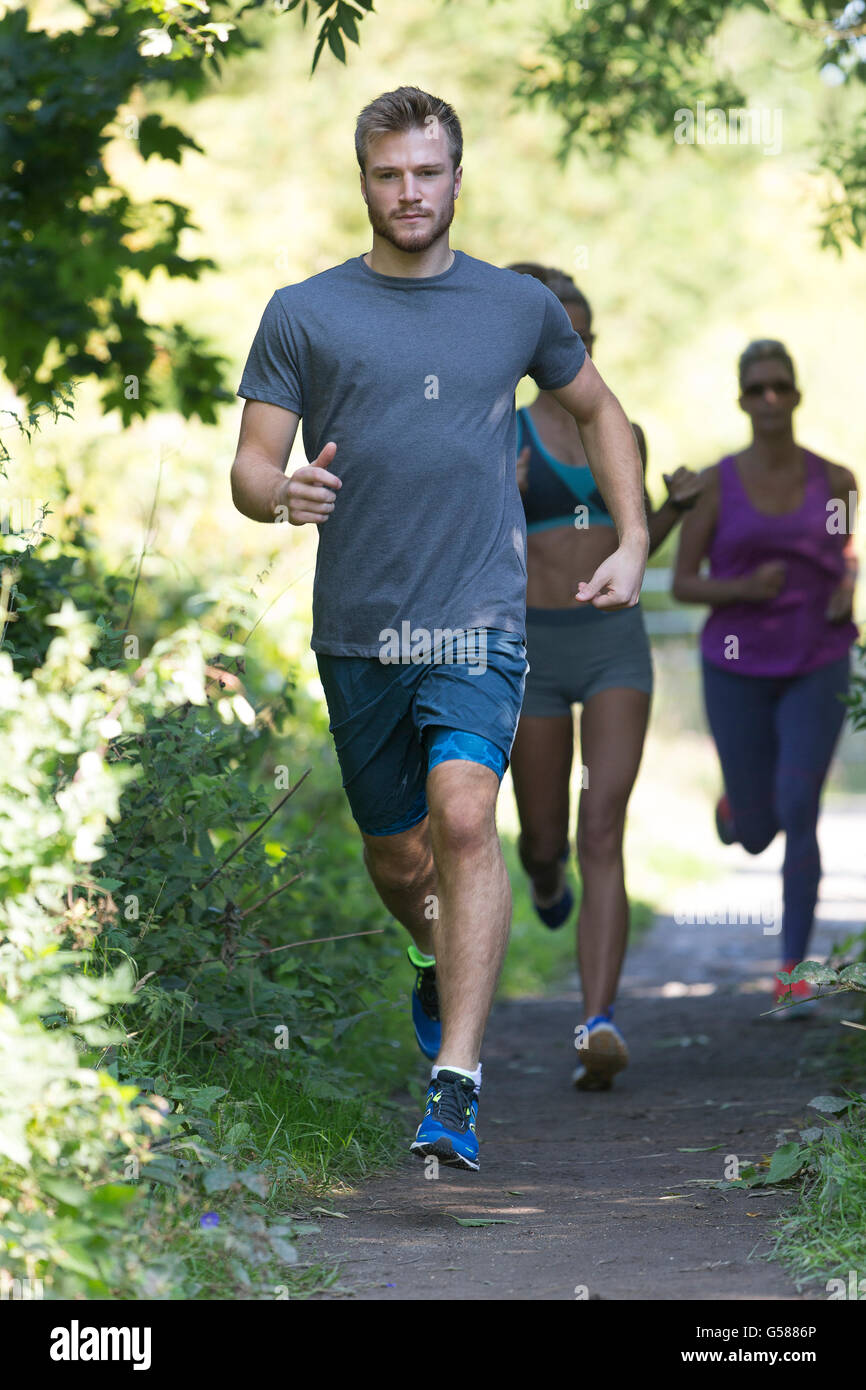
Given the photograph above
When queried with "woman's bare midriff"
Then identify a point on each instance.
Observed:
(559, 559)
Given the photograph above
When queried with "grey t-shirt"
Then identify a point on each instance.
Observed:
(414, 381)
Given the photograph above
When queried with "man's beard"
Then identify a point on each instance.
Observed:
(412, 239)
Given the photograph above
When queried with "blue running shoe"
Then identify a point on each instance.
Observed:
(447, 1127)
(603, 1053)
(425, 1009)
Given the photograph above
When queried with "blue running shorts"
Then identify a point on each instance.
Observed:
(392, 723)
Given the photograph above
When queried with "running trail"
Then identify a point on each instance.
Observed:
(606, 1195)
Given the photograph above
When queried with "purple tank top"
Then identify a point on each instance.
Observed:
(788, 635)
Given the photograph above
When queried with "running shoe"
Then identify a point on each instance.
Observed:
(559, 912)
(725, 822)
(447, 1128)
(603, 1054)
(425, 1009)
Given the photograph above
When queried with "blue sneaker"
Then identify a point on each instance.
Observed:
(603, 1053)
(447, 1128)
(425, 1009)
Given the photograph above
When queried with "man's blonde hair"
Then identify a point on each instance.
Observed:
(405, 109)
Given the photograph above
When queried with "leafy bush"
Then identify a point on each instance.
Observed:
(63, 1121)
(822, 1236)
(167, 1049)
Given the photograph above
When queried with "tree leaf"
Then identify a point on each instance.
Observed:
(830, 1105)
(218, 1179)
(65, 1190)
(786, 1161)
(814, 973)
(481, 1220)
(338, 48)
(205, 1096)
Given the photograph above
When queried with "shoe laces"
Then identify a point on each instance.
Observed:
(454, 1106)
(427, 991)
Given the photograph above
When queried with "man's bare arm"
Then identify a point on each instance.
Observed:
(612, 451)
(260, 488)
(611, 448)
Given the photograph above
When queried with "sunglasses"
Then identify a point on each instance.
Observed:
(760, 388)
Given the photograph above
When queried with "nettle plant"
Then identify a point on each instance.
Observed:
(149, 915)
(75, 1136)
(68, 1129)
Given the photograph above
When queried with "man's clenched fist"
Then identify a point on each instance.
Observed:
(308, 494)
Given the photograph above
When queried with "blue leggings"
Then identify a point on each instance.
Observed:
(775, 737)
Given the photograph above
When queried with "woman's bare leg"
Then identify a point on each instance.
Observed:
(540, 769)
(613, 726)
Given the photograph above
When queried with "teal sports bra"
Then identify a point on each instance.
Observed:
(556, 491)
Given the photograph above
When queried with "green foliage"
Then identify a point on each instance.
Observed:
(828, 979)
(822, 1235)
(782, 1166)
(150, 976)
(72, 1124)
(72, 237)
(38, 572)
(616, 71)
(856, 700)
(62, 1121)
(332, 26)
(801, 1158)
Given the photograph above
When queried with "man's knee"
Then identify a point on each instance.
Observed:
(462, 823)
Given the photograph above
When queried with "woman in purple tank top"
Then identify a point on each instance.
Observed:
(776, 523)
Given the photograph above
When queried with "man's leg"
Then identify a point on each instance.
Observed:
(471, 932)
(404, 875)
(469, 715)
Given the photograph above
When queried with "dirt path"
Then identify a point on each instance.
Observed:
(602, 1191)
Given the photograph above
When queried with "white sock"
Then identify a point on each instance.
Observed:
(474, 1076)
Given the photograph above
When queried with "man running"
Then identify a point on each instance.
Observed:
(403, 364)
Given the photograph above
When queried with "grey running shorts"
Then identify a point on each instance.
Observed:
(574, 653)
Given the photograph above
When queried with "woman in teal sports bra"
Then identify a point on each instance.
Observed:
(579, 654)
